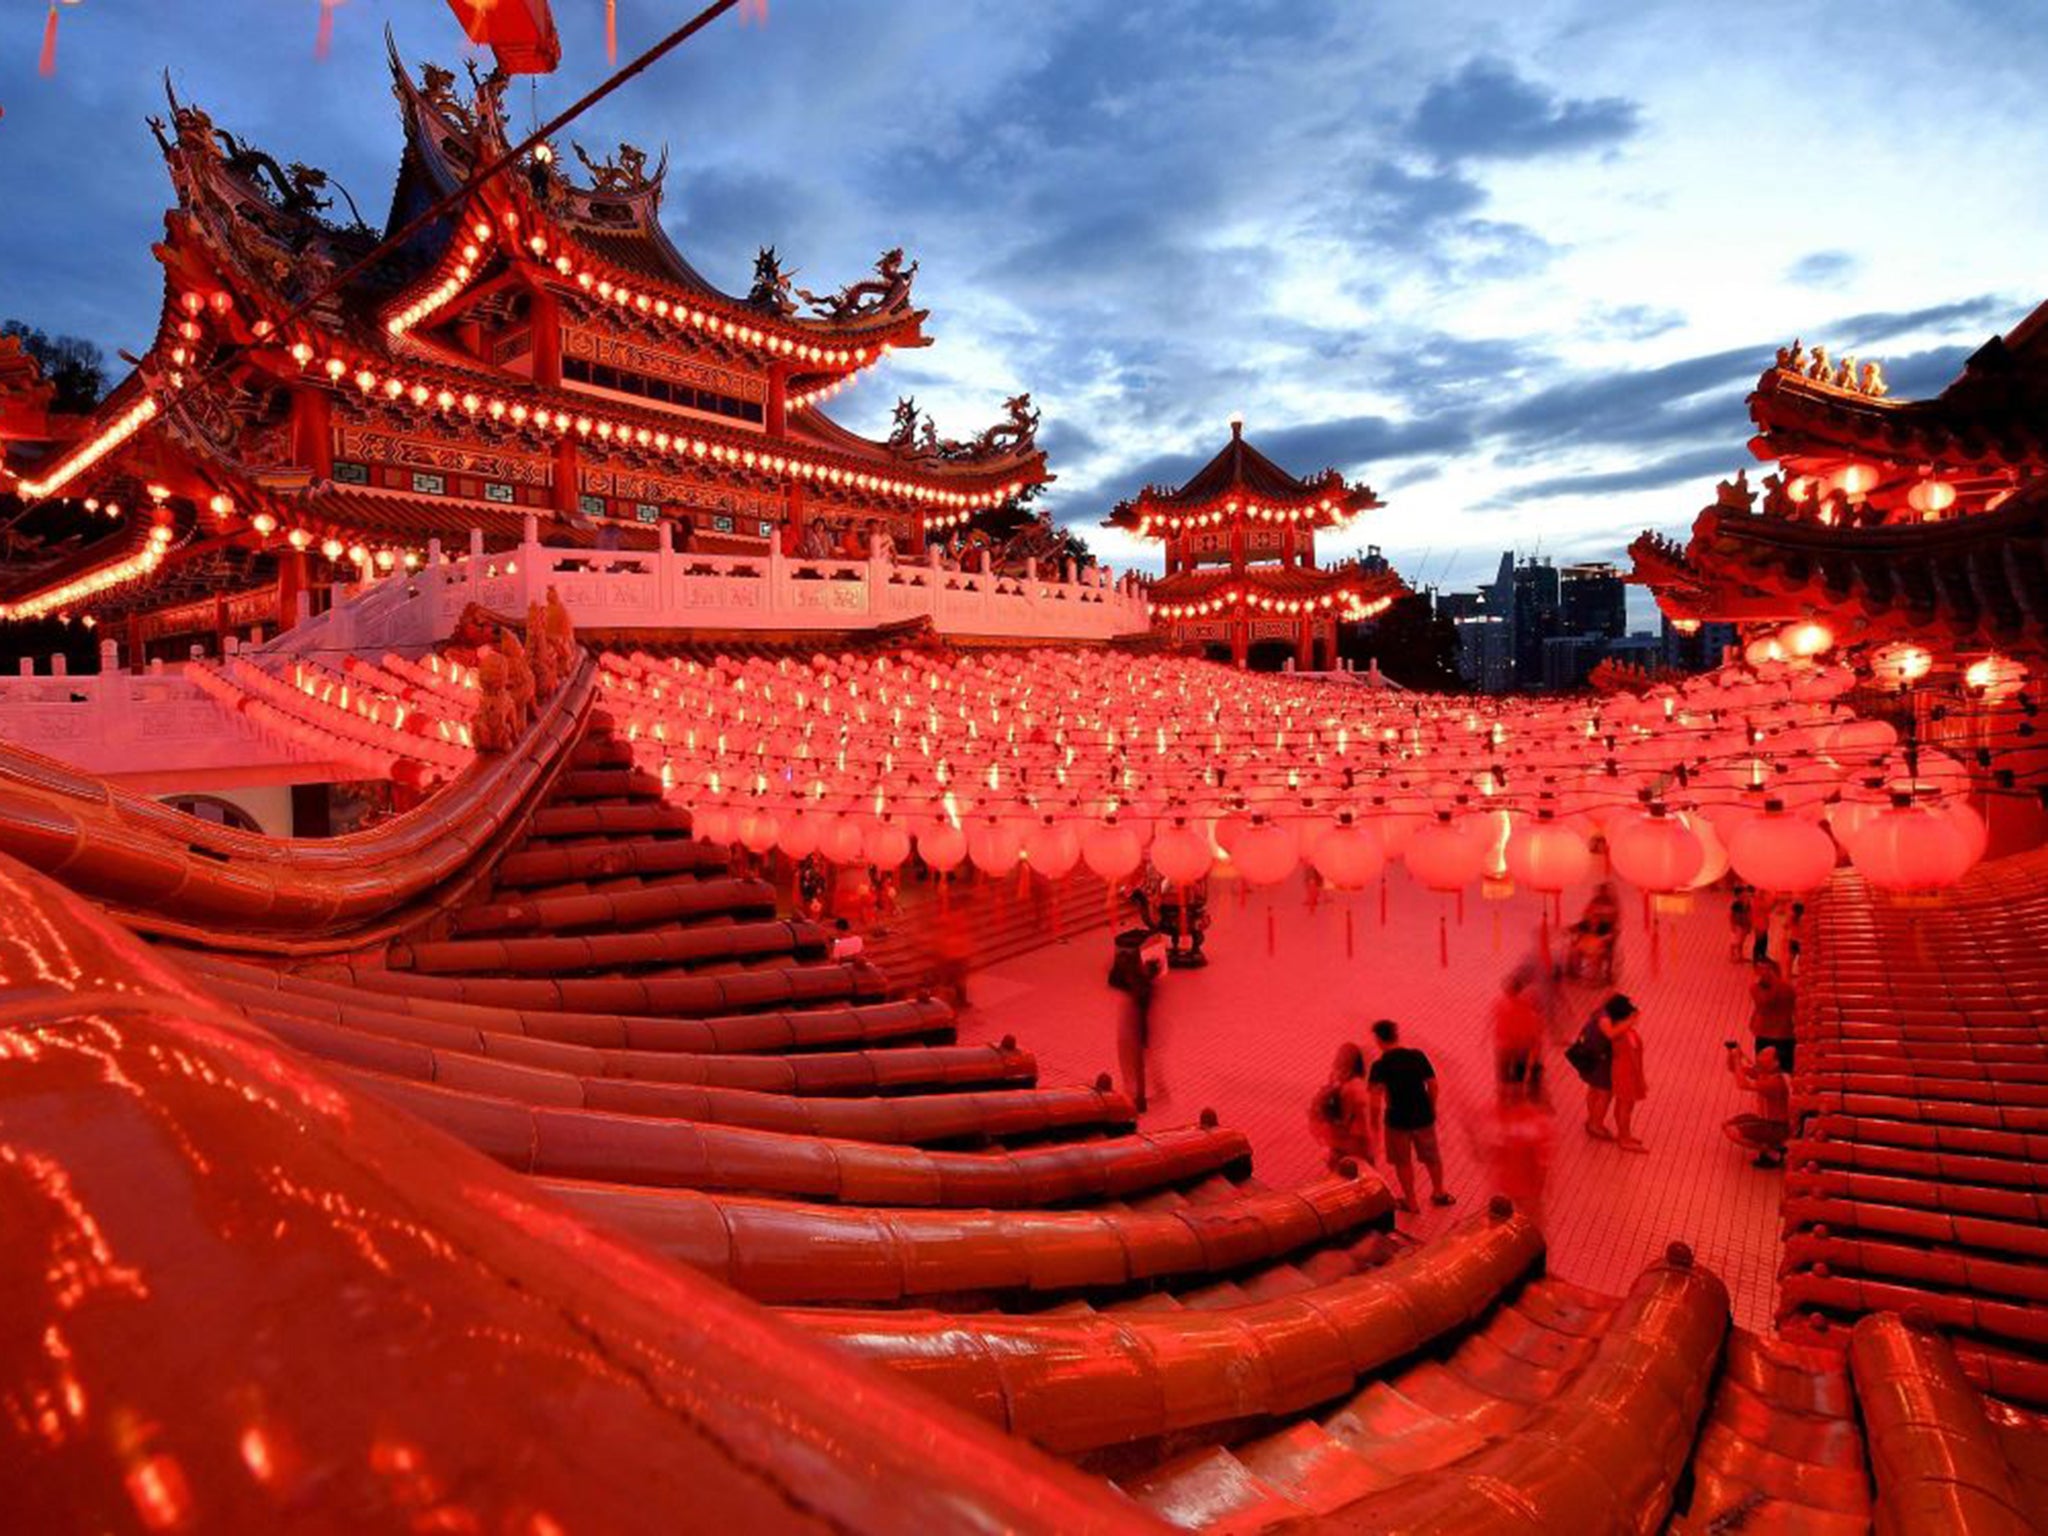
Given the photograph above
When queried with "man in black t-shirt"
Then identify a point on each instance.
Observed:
(1403, 1085)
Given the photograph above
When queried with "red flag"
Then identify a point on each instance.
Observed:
(47, 64)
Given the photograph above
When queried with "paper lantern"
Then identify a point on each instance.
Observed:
(1444, 857)
(1908, 848)
(942, 847)
(1860, 741)
(1547, 855)
(842, 842)
(1806, 640)
(994, 845)
(1995, 678)
(712, 823)
(1782, 853)
(1267, 853)
(1654, 851)
(887, 844)
(758, 829)
(798, 837)
(1349, 856)
(1112, 851)
(1713, 851)
(1181, 855)
(1053, 848)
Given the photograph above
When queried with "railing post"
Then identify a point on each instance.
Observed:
(59, 665)
(531, 585)
(476, 565)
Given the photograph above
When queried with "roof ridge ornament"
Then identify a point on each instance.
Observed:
(1843, 375)
(887, 292)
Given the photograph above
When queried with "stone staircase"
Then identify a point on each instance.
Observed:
(988, 919)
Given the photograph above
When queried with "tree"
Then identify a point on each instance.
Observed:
(1414, 645)
(76, 367)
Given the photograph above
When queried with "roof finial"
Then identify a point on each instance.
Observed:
(1237, 423)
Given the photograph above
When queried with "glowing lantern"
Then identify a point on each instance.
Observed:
(1714, 852)
(1547, 855)
(1111, 851)
(994, 846)
(1859, 741)
(758, 830)
(798, 836)
(1444, 856)
(1853, 479)
(1995, 678)
(841, 841)
(1267, 853)
(1181, 854)
(1781, 852)
(942, 847)
(711, 824)
(1052, 848)
(1349, 857)
(1910, 848)
(1900, 665)
(1761, 651)
(1806, 640)
(1654, 851)
(887, 844)
(1931, 498)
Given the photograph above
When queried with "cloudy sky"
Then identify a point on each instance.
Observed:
(1515, 265)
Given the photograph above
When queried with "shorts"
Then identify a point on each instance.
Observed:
(1400, 1143)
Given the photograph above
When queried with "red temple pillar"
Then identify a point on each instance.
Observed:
(778, 400)
(313, 431)
(1240, 640)
(1305, 645)
(566, 480)
(547, 339)
(291, 581)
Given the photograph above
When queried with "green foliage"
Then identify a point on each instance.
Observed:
(76, 367)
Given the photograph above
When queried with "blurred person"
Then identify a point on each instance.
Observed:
(1767, 1130)
(1773, 1002)
(1518, 1030)
(1341, 1113)
(1608, 1055)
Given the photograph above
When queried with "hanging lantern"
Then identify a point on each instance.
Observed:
(1900, 665)
(1654, 851)
(1859, 741)
(1911, 849)
(1349, 857)
(942, 847)
(1713, 851)
(1111, 851)
(1931, 498)
(994, 845)
(797, 838)
(888, 844)
(1181, 855)
(1444, 856)
(1995, 678)
(758, 829)
(1782, 853)
(712, 823)
(1267, 853)
(520, 33)
(841, 841)
(1806, 640)
(1053, 848)
(1853, 480)
(1547, 855)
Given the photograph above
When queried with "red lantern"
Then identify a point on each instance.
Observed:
(841, 841)
(942, 847)
(758, 829)
(1111, 851)
(1911, 849)
(1267, 853)
(712, 823)
(888, 844)
(1781, 852)
(1444, 857)
(1546, 855)
(1181, 855)
(1654, 851)
(994, 845)
(798, 836)
(1053, 848)
(1349, 857)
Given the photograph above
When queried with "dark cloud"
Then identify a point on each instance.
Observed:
(1823, 269)
(1858, 332)
(1719, 459)
(1487, 111)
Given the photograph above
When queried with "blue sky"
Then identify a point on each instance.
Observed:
(1515, 265)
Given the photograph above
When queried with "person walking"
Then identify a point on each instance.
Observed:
(1773, 1001)
(1738, 924)
(1608, 1056)
(1403, 1085)
(1518, 1038)
(1341, 1116)
(1135, 971)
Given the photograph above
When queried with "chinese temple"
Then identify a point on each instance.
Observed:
(1917, 524)
(320, 404)
(1240, 540)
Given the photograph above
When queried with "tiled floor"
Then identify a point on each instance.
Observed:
(1253, 1034)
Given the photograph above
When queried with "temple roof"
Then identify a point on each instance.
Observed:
(1241, 477)
(1291, 588)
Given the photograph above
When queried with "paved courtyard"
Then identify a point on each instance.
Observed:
(1253, 1034)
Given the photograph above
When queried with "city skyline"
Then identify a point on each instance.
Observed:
(1485, 263)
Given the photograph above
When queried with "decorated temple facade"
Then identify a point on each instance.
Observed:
(1240, 544)
(324, 400)
(1918, 525)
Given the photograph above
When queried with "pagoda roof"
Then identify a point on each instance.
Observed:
(1978, 582)
(1991, 418)
(1284, 588)
(1242, 479)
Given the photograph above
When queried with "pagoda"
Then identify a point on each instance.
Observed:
(1240, 540)
(1915, 524)
(323, 401)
